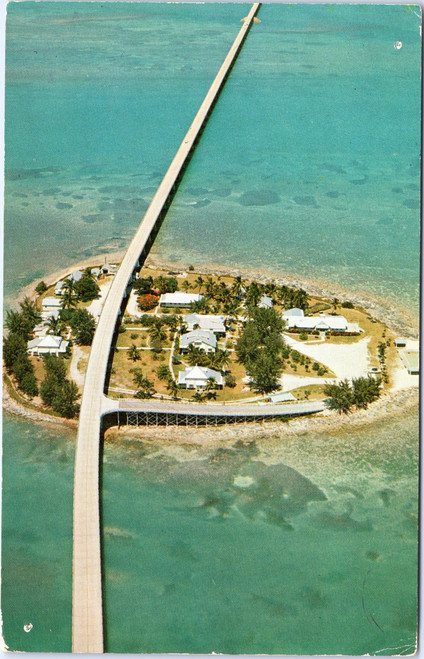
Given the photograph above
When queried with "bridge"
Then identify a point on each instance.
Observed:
(153, 412)
(87, 608)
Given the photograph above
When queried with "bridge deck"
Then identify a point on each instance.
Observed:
(87, 610)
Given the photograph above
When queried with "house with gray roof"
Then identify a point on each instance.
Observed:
(197, 377)
(292, 313)
(51, 303)
(213, 324)
(202, 339)
(265, 302)
(47, 345)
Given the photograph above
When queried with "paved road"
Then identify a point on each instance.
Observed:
(87, 611)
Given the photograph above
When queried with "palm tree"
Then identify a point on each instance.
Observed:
(69, 285)
(172, 387)
(30, 311)
(221, 359)
(198, 397)
(185, 285)
(87, 273)
(210, 388)
(209, 286)
(199, 281)
(68, 300)
(54, 325)
(195, 356)
(156, 330)
(133, 353)
(237, 285)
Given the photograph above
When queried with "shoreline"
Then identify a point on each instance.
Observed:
(389, 404)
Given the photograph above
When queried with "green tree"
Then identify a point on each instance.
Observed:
(163, 373)
(340, 396)
(134, 353)
(230, 381)
(156, 329)
(18, 324)
(172, 387)
(83, 326)
(65, 399)
(68, 300)
(41, 288)
(365, 391)
(13, 347)
(86, 288)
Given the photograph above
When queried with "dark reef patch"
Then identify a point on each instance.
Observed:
(306, 200)
(259, 198)
(414, 204)
(333, 194)
(62, 205)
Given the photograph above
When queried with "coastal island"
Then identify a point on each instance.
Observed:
(188, 335)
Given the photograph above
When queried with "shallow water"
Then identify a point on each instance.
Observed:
(316, 555)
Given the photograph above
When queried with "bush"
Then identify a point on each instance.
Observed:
(147, 302)
(348, 305)
(41, 287)
(146, 320)
(230, 381)
(303, 336)
(83, 326)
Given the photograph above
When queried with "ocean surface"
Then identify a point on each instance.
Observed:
(309, 166)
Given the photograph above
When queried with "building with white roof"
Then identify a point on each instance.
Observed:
(197, 377)
(265, 302)
(202, 339)
(214, 324)
(58, 289)
(321, 323)
(51, 303)
(47, 345)
(75, 276)
(292, 313)
(179, 299)
(108, 269)
(50, 313)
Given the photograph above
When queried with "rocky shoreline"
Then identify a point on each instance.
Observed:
(389, 403)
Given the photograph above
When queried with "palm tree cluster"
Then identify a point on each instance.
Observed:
(218, 360)
(145, 388)
(343, 396)
(209, 392)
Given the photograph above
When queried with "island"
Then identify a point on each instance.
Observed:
(191, 335)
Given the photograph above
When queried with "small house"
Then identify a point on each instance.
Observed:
(411, 359)
(202, 339)
(75, 276)
(400, 343)
(197, 377)
(213, 324)
(51, 303)
(292, 313)
(47, 345)
(58, 289)
(281, 397)
(108, 269)
(265, 302)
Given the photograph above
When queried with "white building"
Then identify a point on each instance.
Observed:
(51, 303)
(50, 313)
(75, 276)
(108, 269)
(52, 345)
(265, 302)
(202, 339)
(58, 289)
(197, 377)
(320, 323)
(292, 313)
(179, 299)
(214, 324)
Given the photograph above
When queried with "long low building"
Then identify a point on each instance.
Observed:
(179, 299)
(319, 323)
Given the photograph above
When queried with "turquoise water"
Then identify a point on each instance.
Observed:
(309, 166)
